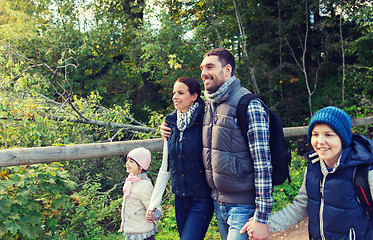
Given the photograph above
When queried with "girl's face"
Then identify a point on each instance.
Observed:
(132, 166)
(182, 98)
(326, 143)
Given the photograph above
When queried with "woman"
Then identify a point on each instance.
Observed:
(182, 160)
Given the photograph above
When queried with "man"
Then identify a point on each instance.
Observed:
(239, 175)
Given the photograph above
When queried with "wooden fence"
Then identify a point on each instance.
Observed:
(26, 156)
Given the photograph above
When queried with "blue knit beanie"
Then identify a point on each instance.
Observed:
(337, 119)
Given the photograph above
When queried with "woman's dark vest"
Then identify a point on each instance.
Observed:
(333, 209)
(185, 158)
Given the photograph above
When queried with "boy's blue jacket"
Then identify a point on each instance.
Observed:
(333, 209)
(329, 199)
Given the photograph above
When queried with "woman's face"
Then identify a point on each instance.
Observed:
(132, 166)
(326, 143)
(182, 98)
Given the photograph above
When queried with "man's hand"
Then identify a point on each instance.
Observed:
(256, 230)
(165, 131)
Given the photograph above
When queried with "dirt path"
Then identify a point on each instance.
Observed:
(296, 232)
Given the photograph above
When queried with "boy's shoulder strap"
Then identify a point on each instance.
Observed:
(362, 188)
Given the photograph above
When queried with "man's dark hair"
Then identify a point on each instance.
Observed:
(224, 56)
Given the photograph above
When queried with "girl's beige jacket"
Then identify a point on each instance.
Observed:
(134, 208)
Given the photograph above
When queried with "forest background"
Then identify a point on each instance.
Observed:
(76, 71)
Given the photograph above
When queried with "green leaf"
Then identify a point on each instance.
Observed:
(60, 202)
(12, 227)
(5, 205)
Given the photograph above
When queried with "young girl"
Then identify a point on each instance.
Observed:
(137, 191)
(327, 195)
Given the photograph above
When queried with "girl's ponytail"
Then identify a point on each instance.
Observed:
(149, 176)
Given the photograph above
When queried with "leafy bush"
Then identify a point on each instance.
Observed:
(31, 200)
(284, 194)
(167, 228)
(91, 213)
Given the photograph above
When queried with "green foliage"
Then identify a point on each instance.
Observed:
(111, 65)
(167, 225)
(30, 120)
(213, 230)
(284, 194)
(31, 200)
(90, 214)
(359, 112)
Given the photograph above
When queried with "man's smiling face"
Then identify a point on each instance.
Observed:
(213, 74)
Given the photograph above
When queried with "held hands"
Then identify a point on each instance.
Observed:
(149, 215)
(165, 131)
(256, 230)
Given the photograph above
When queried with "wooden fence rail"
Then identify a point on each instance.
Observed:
(26, 156)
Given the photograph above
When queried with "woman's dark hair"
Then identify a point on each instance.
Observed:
(193, 87)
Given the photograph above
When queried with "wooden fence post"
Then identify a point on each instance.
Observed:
(25, 156)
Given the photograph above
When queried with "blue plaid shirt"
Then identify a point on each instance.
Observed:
(258, 138)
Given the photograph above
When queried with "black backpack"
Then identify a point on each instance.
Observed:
(280, 154)
(362, 189)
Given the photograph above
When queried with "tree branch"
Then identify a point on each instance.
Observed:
(104, 124)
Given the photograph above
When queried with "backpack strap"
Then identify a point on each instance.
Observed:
(362, 189)
(280, 155)
(242, 112)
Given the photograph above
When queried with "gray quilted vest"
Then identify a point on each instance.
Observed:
(229, 167)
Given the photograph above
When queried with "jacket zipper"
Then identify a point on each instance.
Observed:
(322, 184)
(352, 235)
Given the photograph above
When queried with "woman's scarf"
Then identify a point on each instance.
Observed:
(184, 119)
(128, 184)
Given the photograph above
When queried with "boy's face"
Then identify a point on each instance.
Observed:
(326, 143)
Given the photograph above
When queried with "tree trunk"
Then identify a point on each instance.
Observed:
(279, 31)
(343, 59)
(244, 50)
(302, 67)
(214, 24)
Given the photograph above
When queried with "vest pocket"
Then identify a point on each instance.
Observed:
(231, 176)
(237, 169)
